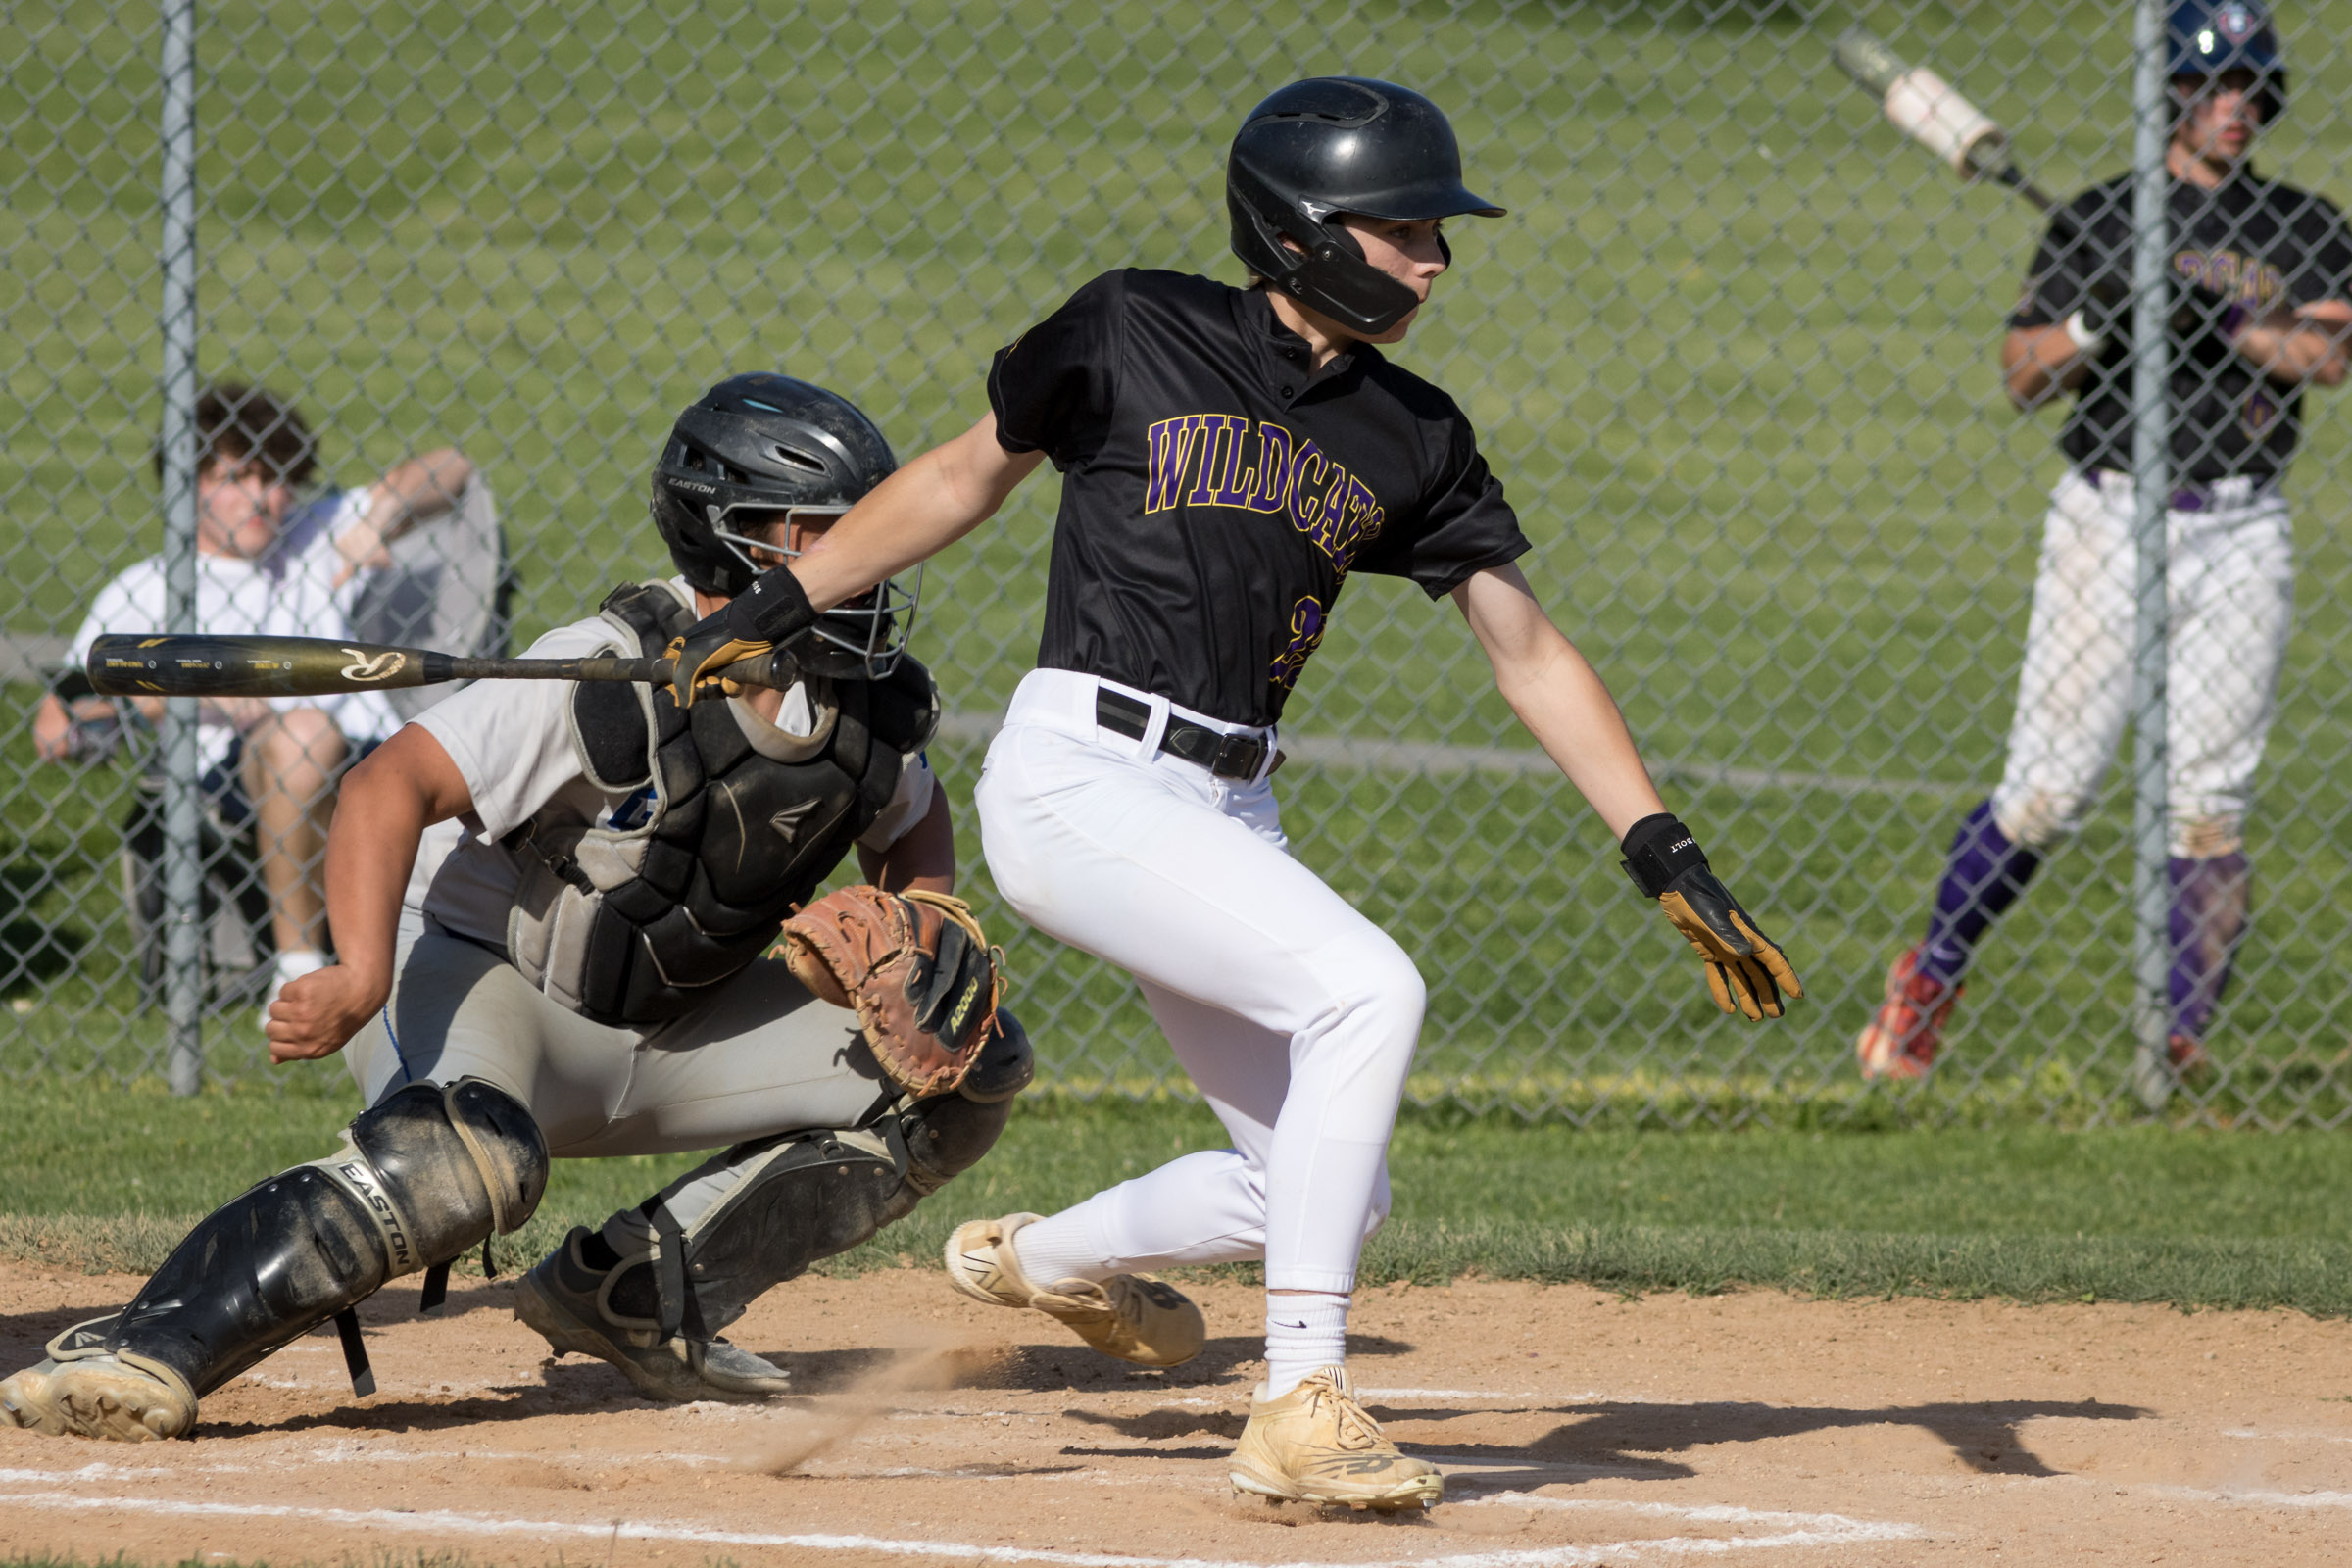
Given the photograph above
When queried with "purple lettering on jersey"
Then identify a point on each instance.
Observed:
(1171, 443)
(1305, 488)
(1306, 631)
(1363, 521)
(2231, 275)
(1268, 483)
(1220, 435)
(1233, 480)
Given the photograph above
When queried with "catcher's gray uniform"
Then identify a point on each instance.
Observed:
(761, 1057)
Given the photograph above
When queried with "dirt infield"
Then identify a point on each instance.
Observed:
(1575, 1428)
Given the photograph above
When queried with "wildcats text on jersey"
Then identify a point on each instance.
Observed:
(1226, 459)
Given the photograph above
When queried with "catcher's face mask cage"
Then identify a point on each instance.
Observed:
(860, 639)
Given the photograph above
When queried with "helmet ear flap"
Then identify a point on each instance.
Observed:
(1445, 251)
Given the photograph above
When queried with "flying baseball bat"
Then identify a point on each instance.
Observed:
(1927, 108)
(159, 665)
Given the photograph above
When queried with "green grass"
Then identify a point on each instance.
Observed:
(1732, 353)
(108, 1178)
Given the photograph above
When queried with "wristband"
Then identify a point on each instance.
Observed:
(1658, 849)
(2085, 340)
(775, 609)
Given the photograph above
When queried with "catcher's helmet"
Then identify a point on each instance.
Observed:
(1340, 144)
(2208, 37)
(770, 446)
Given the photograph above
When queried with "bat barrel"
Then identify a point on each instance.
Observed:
(1869, 61)
(254, 666)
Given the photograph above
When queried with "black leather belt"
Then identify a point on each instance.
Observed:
(1235, 757)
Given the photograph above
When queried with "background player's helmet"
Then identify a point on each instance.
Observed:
(1331, 145)
(2207, 37)
(750, 449)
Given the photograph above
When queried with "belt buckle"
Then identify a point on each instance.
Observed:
(1238, 756)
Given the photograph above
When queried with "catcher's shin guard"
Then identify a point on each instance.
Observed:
(801, 1197)
(420, 1178)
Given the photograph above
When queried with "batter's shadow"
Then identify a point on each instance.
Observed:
(1619, 1437)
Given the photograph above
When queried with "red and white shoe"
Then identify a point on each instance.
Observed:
(1901, 1039)
(2191, 1064)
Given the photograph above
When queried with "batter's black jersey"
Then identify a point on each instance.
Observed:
(2249, 241)
(1218, 492)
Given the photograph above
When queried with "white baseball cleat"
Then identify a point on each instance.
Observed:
(1131, 1316)
(1317, 1445)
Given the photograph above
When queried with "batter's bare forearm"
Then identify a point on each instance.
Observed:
(1559, 697)
(913, 515)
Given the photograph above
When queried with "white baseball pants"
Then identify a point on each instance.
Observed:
(2231, 583)
(1294, 1015)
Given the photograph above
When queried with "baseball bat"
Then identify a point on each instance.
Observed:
(1926, 108)
(165, 666)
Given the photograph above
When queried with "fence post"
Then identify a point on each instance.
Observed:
(2151, 492)
(183, 874)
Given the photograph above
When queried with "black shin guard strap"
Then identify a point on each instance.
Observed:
(354, 1354)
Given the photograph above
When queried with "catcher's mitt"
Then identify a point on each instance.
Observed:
(917, 968)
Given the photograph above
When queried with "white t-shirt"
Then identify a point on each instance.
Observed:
(288, 593)
(511, 742)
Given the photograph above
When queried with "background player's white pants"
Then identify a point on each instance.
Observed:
(2231, 582)
(1294, 1015)
(763, 1056)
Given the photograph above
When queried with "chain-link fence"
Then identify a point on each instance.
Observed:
(1733, 352)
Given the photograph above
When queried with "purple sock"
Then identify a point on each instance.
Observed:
(2207, 920)
(1982, 878)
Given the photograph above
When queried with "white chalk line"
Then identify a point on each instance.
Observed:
(1835, 1531)
(1520, 761)
(2286, 1436)
(2252, 1499)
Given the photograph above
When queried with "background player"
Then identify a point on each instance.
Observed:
(579, 977)
(2263, 288)
(1229, 457)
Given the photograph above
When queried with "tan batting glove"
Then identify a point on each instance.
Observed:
(1747, 971)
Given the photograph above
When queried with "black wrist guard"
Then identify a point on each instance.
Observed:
(775, 609)
(1658, 849)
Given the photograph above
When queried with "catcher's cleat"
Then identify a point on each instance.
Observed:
(84, 1391)
(1131, 1316)
(1317, 1445)
(563, 1299)
(1901, 1039)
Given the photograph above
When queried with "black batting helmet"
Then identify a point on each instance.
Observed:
(2205, 39)
(749, 453)
(1340, 144)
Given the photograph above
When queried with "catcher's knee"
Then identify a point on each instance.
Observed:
(420, 1178)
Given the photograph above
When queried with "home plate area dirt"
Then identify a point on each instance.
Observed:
(1575, 1426)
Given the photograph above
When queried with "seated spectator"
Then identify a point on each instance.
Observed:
(269, 562)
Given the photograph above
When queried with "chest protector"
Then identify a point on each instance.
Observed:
(721, 837)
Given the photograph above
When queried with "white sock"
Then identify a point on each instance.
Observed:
(1306, 1331)
(1055, 1249)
